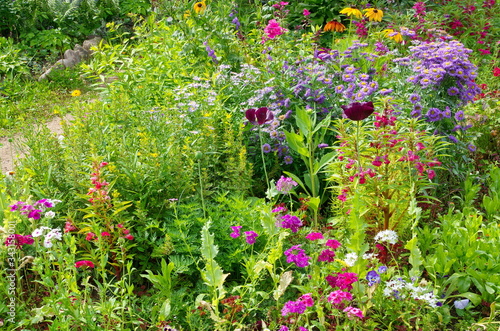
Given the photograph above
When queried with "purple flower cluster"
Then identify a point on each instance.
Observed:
(299, 306)
(443, 64)
(290, 222)
(297, 255)
(285, 185)
(35, 210)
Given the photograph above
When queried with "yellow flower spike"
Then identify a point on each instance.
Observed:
(334, 26)
(351, 11)
(76, 93)
(374, 14)
(200, 7)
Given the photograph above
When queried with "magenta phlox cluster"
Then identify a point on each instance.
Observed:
(342, 280)
(297, 255)
(285, 185)
(290, 222)
(272, 30)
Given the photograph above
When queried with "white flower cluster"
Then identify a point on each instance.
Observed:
(51, 234)
(388, 236)
(350, 259)
(400, 289)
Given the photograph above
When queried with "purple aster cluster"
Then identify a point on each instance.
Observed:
(443, 63)
(297, 255)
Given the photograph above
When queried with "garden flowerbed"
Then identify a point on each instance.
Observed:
(253, 166)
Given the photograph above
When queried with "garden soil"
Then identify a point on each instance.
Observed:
(9, 146)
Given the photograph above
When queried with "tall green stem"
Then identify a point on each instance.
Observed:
(263, 160)
(201, 190)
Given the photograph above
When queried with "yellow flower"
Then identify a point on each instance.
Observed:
(334, 26)
(374, 14)
(200, 7)
(187, 14)
(76, 93)
(394, 35)
(351, 11)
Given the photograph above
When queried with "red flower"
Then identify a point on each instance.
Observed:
(496, 71)
(90, 236)
(259, 116)
(129, 237)
(105, 234)
(358, 111)
(84, 263)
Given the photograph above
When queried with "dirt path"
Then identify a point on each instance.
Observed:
(9, 152)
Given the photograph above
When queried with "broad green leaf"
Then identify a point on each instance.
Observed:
(296, 142)
(303, 121)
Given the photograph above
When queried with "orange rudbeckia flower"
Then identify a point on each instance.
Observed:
(334, 26)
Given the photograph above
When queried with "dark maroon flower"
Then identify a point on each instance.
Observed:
(259, 116)
(357, 111)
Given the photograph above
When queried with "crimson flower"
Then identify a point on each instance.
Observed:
(496, 71)
(357, 111)
(259, 116)
(84, 263)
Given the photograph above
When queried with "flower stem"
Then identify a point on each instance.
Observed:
(263, 160)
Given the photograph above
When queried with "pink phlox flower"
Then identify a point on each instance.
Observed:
(306, 12)
(353, 312)
(297, 255)
(291, 222)
(90, 236)
(336, 297)
(307, 300)
(326, 256)
(332, 243)
(314, 236)
(291, 307)
(250, 237)
(285, 185)
(84, 263)
(273, 29)
(236, 231)
(105, 234)
(279, 209)
(129, 237)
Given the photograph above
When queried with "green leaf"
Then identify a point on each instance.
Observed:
(296, 142)
(325, 159)
(415, 257)
(303, 121)
(298, 180)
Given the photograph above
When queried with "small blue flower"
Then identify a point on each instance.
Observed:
(461, 304)
(266, 148)
(372, 277)
(382, 269)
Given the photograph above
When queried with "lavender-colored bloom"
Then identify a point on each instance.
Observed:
(461, 304)
(348, 77)
(250, 237)
(288, 159)
(414, 98)
(434, 114)
(385, 91)
(380, 48)
(453, 91)
(382, 269)
(453, 138)
(339, 89)
(322, 145)
(266, 148)
(210, 52)
(285, 185)
(459, 116)
(236, 231)
(236, 22)
(349, 70)
(471, 147)
(447, 112)
(372, 277)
